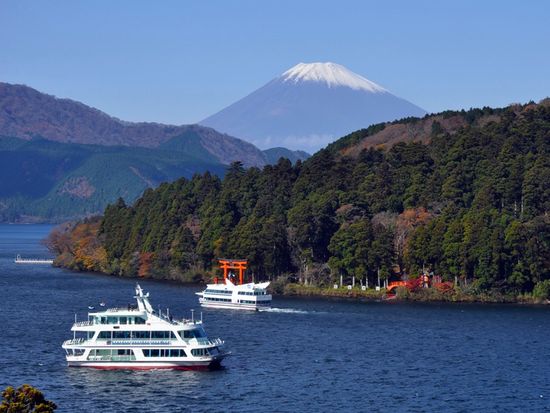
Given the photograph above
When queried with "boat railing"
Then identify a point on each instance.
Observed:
(217, 342)
(186, 321)
(140, 342)
(119, 342)
(206, 342)
(74, 341)
(83, 323)
(172, 320)
(119, 309)
(112, 358)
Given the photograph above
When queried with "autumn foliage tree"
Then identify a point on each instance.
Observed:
(25, 399)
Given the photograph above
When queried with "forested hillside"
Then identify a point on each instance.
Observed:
(46, 181)
(470, 202)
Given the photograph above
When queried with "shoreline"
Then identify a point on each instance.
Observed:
(427, 295)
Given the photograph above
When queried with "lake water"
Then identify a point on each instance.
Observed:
(306, 355)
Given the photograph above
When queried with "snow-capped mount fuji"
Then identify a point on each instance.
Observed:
(332, 74)
(309, 106)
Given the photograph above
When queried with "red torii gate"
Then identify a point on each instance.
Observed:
(231, 264)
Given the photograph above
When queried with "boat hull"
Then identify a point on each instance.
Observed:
(138, 365)
(233, 306)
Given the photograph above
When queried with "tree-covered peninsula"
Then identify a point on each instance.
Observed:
(464, 195)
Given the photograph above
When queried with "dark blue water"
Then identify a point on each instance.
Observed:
(311, 355)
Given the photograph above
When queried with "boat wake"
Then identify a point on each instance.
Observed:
(283, 310)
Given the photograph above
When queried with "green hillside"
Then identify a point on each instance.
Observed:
(50, 181)
(471, 203)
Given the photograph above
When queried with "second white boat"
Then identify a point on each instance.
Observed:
(251, 296)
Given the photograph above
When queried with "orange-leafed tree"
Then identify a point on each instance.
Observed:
(145, 263)
(405, 225)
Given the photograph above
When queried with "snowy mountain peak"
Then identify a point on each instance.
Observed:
(332, 74)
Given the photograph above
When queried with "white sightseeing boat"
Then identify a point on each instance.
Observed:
(19, 260)
(139, 338)
(251, 296)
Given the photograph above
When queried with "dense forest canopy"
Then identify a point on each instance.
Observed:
(470, 204)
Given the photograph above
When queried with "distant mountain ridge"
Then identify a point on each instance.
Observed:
(61, 159)
(26, 113)
(309, 106)
(274, 154)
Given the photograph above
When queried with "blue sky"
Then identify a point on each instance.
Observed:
(181, 61)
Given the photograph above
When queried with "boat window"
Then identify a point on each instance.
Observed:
(156, 352)
(104, 334)
(199, 352)
(162, 334)
(123, 320)
(139, 320)
(194, 333)
(121, 334)
(141, 334)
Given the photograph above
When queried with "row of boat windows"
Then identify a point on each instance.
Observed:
(200, 352)
(119, 320)
(152, 352)
(156, 352)
(219, 292)
(185, 334)
(253, 302)
(225, 300)
(108, 352)
(136, 334)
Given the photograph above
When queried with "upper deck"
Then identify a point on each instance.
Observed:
(228, 288)
(134, 318)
